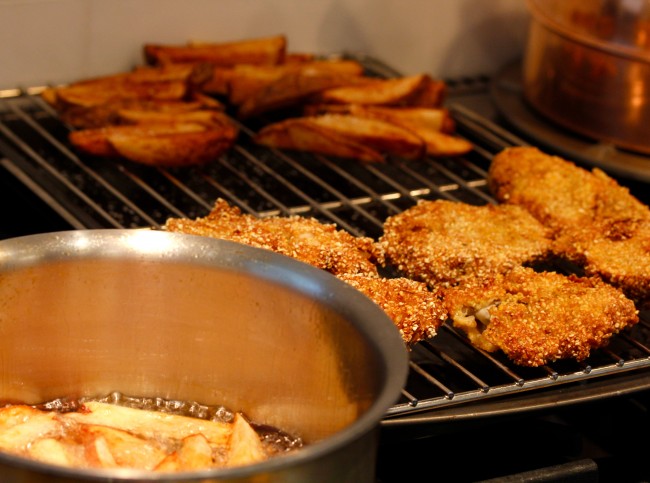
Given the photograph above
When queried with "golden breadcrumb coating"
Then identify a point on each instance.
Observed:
(414, 309)
(559, 193)
(539, 317)
(597, 223)
(302, 238)
(445, 243)
(619, 257)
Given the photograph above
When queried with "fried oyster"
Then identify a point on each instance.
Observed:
(445, 243)
(597, 224)
(539, 317)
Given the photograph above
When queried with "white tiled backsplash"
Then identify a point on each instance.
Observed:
(54, 41)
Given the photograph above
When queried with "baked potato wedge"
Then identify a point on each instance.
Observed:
(408, 90)
(344, 136)
(264, 50)
(171, 144)
(432, 93)
(245, 81)
(195, 74)
(219, 84)
(434, 125)
(202, 116)
(294, 87)
(95, 102)
(111, 113)
(170, 82)
(101, 92)
(436, 119)
(302, 134)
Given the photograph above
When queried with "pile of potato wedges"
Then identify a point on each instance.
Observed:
(171, 112)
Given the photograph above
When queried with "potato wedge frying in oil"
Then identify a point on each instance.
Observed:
(101, 435)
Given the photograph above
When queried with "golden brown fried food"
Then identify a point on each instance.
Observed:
(414, 309)
(245, 81)
(294, 87)
(414, 90)
(560, 194)
(96, 102)
(596, 222)
(265, 50)
(537, 318)
(302, 134)
(343, 135)
(446, 243)
(102, 435)
(433, 125)
(302, 238)
(619, 257)
(169, 144)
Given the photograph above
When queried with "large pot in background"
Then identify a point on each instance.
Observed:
(184, 317)
(587, 68)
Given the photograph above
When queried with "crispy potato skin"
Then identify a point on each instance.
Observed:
(434, 126)
(264, 50)
(96, 102)
(446, 243)
(294, 87)
(302, 134)
(540, 317)
(414, 90)
(256, 77)
(596, 223)
(169, 144)
(245, 81)
(342, 135)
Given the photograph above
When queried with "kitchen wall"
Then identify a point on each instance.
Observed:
(54, 41)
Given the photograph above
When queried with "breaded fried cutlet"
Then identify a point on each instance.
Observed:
(414, 309)
(620, 257)
(559, 193)
(305, 239)
(446, 243)
(540, 317)
(597, 224)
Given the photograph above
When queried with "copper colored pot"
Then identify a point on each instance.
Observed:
(587, 68)
(184, 317)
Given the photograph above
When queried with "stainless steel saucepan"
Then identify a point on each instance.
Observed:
(156, 314)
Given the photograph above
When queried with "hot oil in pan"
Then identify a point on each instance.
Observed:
(273, 440)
